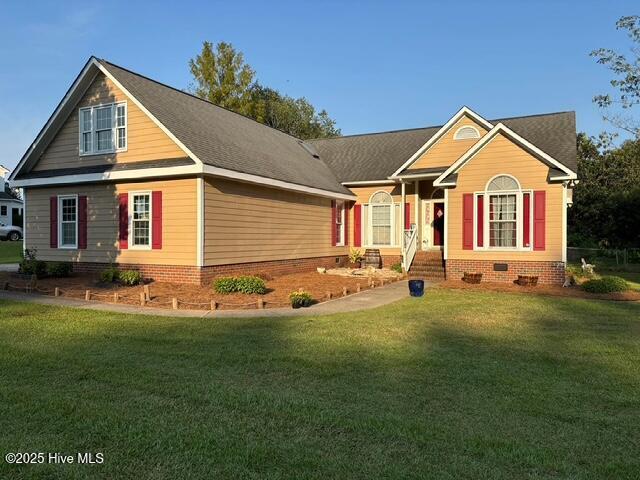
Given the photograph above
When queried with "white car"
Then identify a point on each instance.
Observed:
(10, 232)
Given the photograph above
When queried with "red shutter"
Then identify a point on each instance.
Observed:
(156, 220)
(467, 221)
(407, 216)
(539, 215)
(526, 220)
(346, 222)
(82, 221)
(123, 236)
(333, 223)
(357, 225)
(480, 221)
(53, 222)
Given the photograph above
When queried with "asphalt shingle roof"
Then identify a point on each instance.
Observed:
(376, 156)
(225, 139)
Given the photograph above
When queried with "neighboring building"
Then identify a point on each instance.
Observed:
(10, 206)
(133, 172)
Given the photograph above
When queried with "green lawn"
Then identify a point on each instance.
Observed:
(453, 385)
(10, 252)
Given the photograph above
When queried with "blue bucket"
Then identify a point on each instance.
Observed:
(416, 288)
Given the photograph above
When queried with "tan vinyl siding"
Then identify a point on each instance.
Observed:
(145, 140)
(365, 193)
(250, 223)
(501, 156)
(179, 231)
(447, 150)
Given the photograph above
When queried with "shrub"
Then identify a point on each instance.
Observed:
(396, 267)
(225, 285)
(300, 299)
(109, 275)
(59, 269)
(606, 285)
(30, 265)
(130, 277)
(245, 284)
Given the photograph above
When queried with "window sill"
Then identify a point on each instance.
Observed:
(502, 249)
(104, 152)
(139, 247)
(68, 247)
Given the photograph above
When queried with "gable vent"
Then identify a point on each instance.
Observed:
(466, 133)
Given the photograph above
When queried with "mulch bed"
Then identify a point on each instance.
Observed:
(196, 297)
(553, 290)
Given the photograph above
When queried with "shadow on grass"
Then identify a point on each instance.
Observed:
(449, 386)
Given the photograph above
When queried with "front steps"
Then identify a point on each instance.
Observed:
(427, 266)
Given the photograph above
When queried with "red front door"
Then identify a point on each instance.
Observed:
(438, 224)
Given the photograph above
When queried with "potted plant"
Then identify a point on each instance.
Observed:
(355, 258)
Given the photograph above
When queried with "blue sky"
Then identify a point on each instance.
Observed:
(373, 66)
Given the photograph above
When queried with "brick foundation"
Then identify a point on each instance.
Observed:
(201, 276)
(549, 273)
(388, 260)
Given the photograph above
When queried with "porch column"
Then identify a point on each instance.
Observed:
(417, 213)
(404, 225)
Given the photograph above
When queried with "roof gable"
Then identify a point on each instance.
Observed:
(447, 148)
(464, 112)
(447, 177)
(377, 156)
(210, 135)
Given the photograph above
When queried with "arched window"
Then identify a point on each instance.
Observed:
(381, 205)
(505, 200)
(502, 182)
(466, 133)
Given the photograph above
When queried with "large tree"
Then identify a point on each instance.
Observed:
(606, 208)
(626, 85)
(221, 76)
(295, 116)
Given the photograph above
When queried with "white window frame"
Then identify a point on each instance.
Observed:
(486, 194)
(130, 226)
(369, 233)
(114, 129)
(341, 210)
(60, 222)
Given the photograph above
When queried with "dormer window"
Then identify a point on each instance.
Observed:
(103, 129)
(466, 133)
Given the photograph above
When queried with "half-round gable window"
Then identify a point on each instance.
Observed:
(503, 183)
(466, 133)
(381, 197)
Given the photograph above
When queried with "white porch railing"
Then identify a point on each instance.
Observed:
(410, 247)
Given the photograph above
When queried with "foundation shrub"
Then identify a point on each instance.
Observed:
(606, 285)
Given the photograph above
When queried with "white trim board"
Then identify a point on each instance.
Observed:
(151, 173)
(440, 133)
(370, 182)
(513, 136)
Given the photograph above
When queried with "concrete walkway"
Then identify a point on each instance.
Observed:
(365, 300)
(9, 267)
